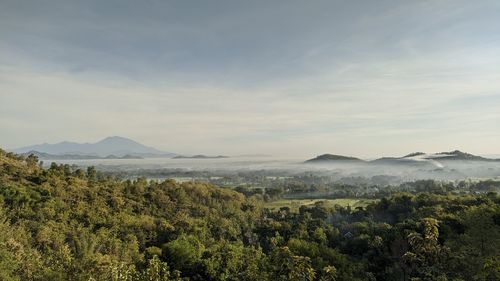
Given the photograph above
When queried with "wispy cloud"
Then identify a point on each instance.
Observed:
(302, 78)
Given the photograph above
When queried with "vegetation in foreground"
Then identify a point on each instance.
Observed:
(65, 224)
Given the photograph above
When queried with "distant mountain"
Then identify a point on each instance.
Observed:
(117, 146)
(458, 155)
(414, 154)
(47, 156)
(415, 159)
(333, 158)
(199, 157)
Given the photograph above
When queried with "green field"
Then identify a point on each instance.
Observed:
(294, 204)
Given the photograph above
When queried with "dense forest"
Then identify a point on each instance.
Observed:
(64, 223)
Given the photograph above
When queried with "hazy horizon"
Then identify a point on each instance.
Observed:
(288, 156)
(292, 78)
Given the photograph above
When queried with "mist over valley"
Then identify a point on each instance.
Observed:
(254, 140)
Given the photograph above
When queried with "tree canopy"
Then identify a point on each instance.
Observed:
(64, 223)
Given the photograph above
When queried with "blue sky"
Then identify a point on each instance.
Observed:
(298, 78)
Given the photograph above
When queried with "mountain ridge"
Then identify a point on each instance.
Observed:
(47, 156)
(333, 157)
(412, 158)
(113, 145)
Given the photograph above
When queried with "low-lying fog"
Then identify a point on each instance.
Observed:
(281, 167)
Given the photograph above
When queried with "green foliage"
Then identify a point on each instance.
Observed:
(329, 273)
(184, 253)
(285, 265)
(233, 261)
(62, 223)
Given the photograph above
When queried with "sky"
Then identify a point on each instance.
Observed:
(288, 78)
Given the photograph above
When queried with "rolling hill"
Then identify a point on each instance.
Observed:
(325, 158)
(416, 158)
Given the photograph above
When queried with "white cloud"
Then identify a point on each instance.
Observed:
(409, 77)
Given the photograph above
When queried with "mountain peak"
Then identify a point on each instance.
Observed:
(116, 139)
(332, 157)
(456, 151)
(414, 154)
(457, 155)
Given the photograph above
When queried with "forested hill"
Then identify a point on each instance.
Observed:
(62, 223)
(74, 225)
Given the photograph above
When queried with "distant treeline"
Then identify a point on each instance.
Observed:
(301, 190)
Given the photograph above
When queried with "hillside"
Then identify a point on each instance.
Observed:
(86, 225)
(333, 158)
(457, 155)
(63, 223)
